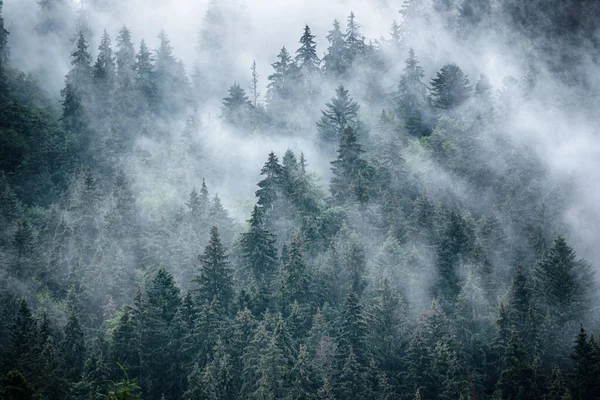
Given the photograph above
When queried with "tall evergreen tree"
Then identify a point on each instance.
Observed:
(450, 88)
(334, 63)
(341, 111)
(268, 191)
(306, 55)
(73, 347)
(258, 249)
(76, 91)
(354, 41)
(564, 282)
(351, 173)
(516, 377)
(215, 278)
(237, 108)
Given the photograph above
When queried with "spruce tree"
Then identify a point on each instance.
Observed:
(215, 278)
(76, 91)
(258, 249)
(341, 111)
(295, 285)
(306, 55)
(23, 338)
(104, 68)
(334, 63)
(282, 84)
(145, 79)
(564, 282)
(353, 329)
(351, 173)
(73, 347)
(450, 88)
(516, 376)
(353, 40)
(268, 191)
(586, 363)
(303, 378)
(411, 97)
(237, 108)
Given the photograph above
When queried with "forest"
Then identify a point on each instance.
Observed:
(404, 208)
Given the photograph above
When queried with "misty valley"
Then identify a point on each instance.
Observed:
(233, 199)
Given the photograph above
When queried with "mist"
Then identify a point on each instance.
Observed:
(288, 210)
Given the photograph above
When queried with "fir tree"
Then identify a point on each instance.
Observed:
(340, 112)
(104, 68)
(294, 278)
(564, 282)
(237, 107)
(258, 249)
(353, 329)
(353, 40)
(450, 88)
(215, 278)
(516, 376)
(306, 56)
(351, 173)
(145, 78)
(73, 347)
(269, 186)
(334, 62)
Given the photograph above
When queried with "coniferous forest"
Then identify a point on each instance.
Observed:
(402, 205)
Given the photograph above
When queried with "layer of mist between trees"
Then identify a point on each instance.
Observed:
(402, 217)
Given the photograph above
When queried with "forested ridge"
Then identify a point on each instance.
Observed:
(412, 240)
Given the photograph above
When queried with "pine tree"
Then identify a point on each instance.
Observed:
(217, 378)
(584, 378)
(353, 329)
(386, 321)
(282, 84)
(516, 376)
(76, 91)
(171, 79)
(14, 386)
(340, 112)
(23, 337)
(237, 108)
(334, 63)
(564, 282)
(258, 249)
(411, 97)
(351, 383)
(295, 285)
(52, 382)
(351, 173)
(125, 347)
(354, 41)
(24, 263)
(306, 56)
(450, 88)
(219, 217)
(254, 84)
(4, 51)
(420, 367)
(73, 348)
(215, 278)
(456, 244)
(557, 389)
(145, 79)
(104, 68)
(303, 383)
(269, 186)
(520, 298)
(125, 54)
